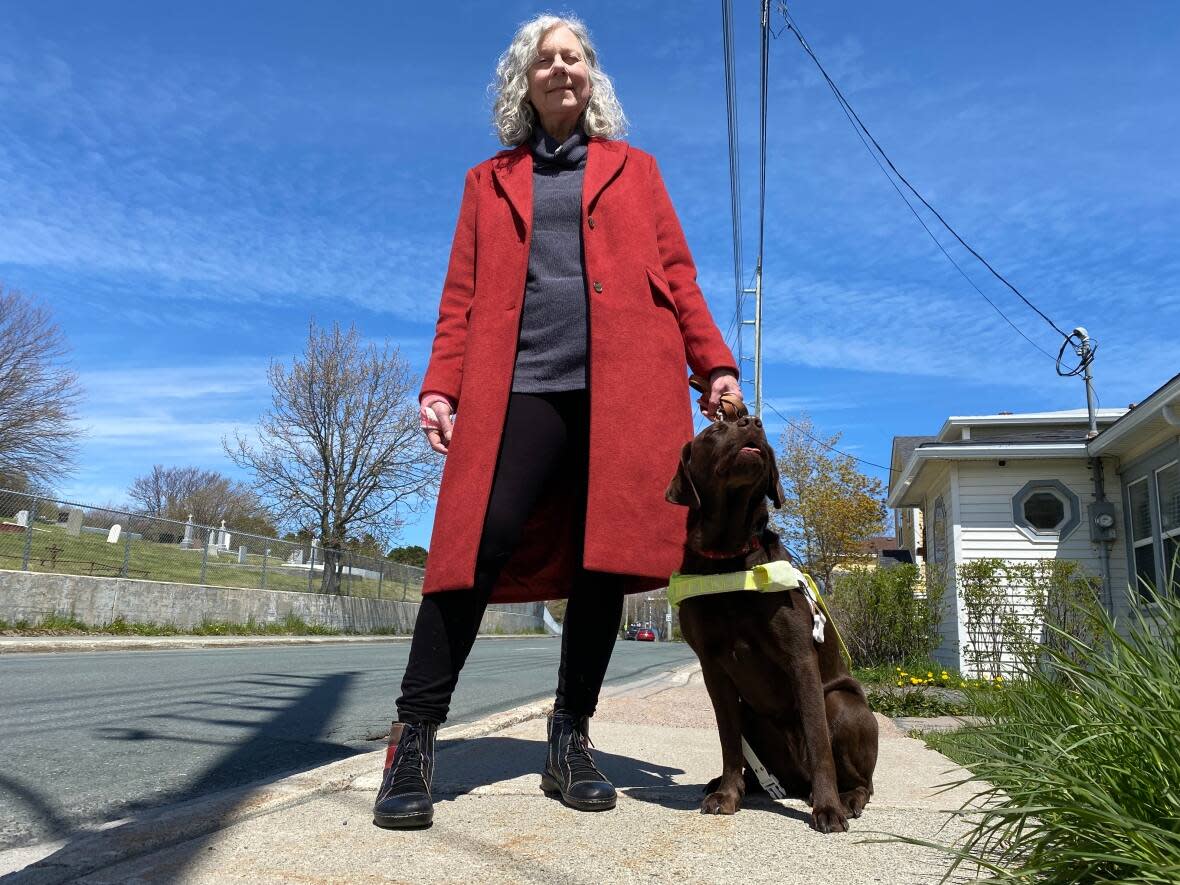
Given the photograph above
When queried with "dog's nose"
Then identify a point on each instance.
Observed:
(746, 420)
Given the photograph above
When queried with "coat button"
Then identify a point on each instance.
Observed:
(597, 286)
(590, 221)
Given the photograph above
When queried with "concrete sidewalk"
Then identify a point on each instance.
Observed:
(656, 741)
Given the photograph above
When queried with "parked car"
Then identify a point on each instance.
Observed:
(631, 631)
(645, 634)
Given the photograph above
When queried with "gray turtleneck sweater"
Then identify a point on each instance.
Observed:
(551, 353)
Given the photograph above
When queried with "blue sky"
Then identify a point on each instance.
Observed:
(186, 184)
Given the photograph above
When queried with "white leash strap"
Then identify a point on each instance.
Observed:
(769, 782)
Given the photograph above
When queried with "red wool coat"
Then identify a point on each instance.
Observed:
(647, 319)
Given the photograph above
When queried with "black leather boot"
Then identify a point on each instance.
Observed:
(569, 769)
(404, 802)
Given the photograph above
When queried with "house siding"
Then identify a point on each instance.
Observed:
(987, 530)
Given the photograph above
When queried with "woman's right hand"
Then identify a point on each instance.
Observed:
(437, 419)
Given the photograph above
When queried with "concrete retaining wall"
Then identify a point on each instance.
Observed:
(31, 596)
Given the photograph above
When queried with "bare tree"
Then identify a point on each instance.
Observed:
(206, 495)
(340, 448)
(38, 394)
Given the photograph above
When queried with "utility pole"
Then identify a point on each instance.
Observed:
(1084, 352)
(757, 290)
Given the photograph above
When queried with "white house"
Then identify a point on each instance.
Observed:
(1035, 486)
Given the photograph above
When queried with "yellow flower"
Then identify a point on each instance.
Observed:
(929, 675)
(914, 680)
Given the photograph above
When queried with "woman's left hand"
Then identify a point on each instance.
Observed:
(722, 381)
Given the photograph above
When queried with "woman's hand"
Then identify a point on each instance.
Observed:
(437, 418)
(721, 381)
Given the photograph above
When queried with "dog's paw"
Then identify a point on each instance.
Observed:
(829, 819)
(854, 801)
(720, 803)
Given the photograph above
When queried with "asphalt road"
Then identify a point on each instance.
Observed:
(98, 736)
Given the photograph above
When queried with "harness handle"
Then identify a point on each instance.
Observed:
(731, 407)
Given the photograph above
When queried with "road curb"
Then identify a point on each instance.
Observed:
(119, 841)
(51, 644)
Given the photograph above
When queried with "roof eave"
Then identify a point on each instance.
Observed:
(981, 452)
(1167, 406)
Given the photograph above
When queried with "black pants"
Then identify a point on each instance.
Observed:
(544, 435)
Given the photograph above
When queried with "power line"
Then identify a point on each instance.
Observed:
(859, 127)
(735, 165)
(824, 443)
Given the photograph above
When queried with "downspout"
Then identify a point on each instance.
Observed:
(1103, 546)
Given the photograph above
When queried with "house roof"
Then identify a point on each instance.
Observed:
(903, 448)
(1062, 434)
(1159, 414)
(952, 428)
(1047, 435)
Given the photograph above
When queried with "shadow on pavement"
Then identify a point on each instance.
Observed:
(290, 740)
(464, 766)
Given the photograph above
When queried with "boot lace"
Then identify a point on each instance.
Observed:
(578, 759)
(408, 774)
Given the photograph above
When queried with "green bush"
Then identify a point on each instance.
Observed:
(887, 615)
(1078, 761)
(1014, 610)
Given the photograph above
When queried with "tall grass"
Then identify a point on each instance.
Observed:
(1079, 761)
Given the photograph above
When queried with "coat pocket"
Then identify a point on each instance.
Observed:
(661, 292)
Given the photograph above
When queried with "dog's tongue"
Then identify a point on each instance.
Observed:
(750, 450)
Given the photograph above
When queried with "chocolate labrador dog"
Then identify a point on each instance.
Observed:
(790, 697)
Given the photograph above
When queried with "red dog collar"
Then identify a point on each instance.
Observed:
(751, 545)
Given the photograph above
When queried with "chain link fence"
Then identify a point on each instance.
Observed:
(47, 535)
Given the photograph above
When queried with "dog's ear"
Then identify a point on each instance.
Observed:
(774, 486)
(681, 490)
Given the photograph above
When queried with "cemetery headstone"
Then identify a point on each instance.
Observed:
(113, 534)
(241, 554)
(74, 522)
(22, 517)
(189, 529)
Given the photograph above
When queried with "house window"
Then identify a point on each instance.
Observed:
(1045, 509)
(1167, 493)
(1142, 538)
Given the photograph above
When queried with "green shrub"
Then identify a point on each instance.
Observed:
(1078, 761)
(887, 615)
(1013, 610)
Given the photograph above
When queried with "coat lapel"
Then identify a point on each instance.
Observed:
(514, 172)
(604, 159)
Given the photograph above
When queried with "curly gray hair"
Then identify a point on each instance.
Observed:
(513, 114)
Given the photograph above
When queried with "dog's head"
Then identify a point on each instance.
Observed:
(726, 460)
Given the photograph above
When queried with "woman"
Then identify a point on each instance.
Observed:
(570, 306)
